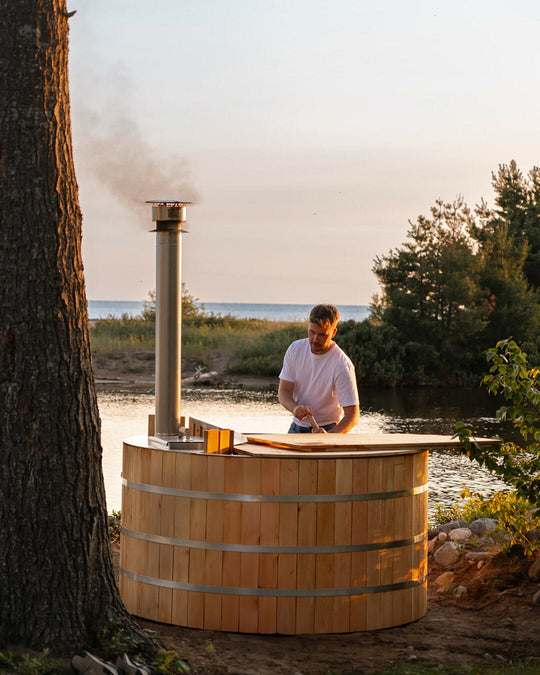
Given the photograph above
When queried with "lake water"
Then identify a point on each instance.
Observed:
(125, 414)
(103, 309)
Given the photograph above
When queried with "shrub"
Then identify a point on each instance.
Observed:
(510, 376)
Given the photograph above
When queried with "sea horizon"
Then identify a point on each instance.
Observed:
(104, 309)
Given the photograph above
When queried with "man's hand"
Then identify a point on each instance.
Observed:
(301, 411)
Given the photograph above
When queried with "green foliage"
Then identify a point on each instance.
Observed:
(190, 308)
(376, 351)
(261, 353)
(127, 334)
(430, 285)
(29, 664)
(510, 376)
(168, 662)
(115, 641)
(518, 207)
(464, 279)
(474, 506)
(115, 519)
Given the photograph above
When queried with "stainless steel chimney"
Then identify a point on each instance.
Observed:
(169, 217)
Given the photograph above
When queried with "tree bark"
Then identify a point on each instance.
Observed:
(57, 583)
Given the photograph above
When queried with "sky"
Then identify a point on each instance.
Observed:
(308, 134)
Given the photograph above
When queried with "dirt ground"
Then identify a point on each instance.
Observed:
(495, 623)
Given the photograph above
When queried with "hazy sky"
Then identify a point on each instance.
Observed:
(307, 133)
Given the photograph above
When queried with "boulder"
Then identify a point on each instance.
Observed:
(481, 526)
(479, 555)
(451, 526)
(534, 570)
(460, 534)
(534, 534)
(447, 554)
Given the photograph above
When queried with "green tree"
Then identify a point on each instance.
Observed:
(517, 199)
(513, 306)
(190, 309)
(431, 289)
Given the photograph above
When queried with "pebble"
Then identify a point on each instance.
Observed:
(442, 536)
(444, 580)
(460, 591)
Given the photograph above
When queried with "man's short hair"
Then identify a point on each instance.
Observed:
(326, 316)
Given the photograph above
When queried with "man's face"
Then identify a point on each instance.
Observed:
(320, 338)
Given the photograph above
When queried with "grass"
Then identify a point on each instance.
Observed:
(250, 346)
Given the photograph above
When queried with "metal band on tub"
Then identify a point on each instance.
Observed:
(256, 548)
(274, 592)
(235, 497)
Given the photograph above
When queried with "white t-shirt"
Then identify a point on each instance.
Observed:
(326, 382)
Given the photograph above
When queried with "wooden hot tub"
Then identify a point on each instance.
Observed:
(275, 539)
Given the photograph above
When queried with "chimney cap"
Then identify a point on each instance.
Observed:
(168, 202)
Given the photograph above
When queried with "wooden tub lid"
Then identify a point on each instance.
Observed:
(361, 444)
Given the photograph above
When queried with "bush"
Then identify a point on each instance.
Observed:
(510, 376)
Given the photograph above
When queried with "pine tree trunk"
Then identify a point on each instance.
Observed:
(56, 577)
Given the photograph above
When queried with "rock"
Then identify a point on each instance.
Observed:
(460, 591)
(460, 534)
(534, 534)
(481, 526)
(536, 598)
(442, 536)
(444, 580)
(447, 554)
(534, 570)
(451, 526)
(431, 545)
(479, 555)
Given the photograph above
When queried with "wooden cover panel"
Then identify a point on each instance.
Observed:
(327, 442)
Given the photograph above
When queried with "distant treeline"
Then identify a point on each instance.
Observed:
(463, 280)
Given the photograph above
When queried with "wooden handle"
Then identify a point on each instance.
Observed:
(312, 421)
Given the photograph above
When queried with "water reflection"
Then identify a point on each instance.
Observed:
(125, 414)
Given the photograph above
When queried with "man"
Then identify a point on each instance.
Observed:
(318, 378)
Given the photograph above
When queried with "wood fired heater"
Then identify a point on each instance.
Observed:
(169, 217)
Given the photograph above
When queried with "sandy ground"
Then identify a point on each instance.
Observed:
(138, 369)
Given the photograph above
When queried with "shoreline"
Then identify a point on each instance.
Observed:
(137, 370)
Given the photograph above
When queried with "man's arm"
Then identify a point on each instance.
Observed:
(285, 395)
(351, 415)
